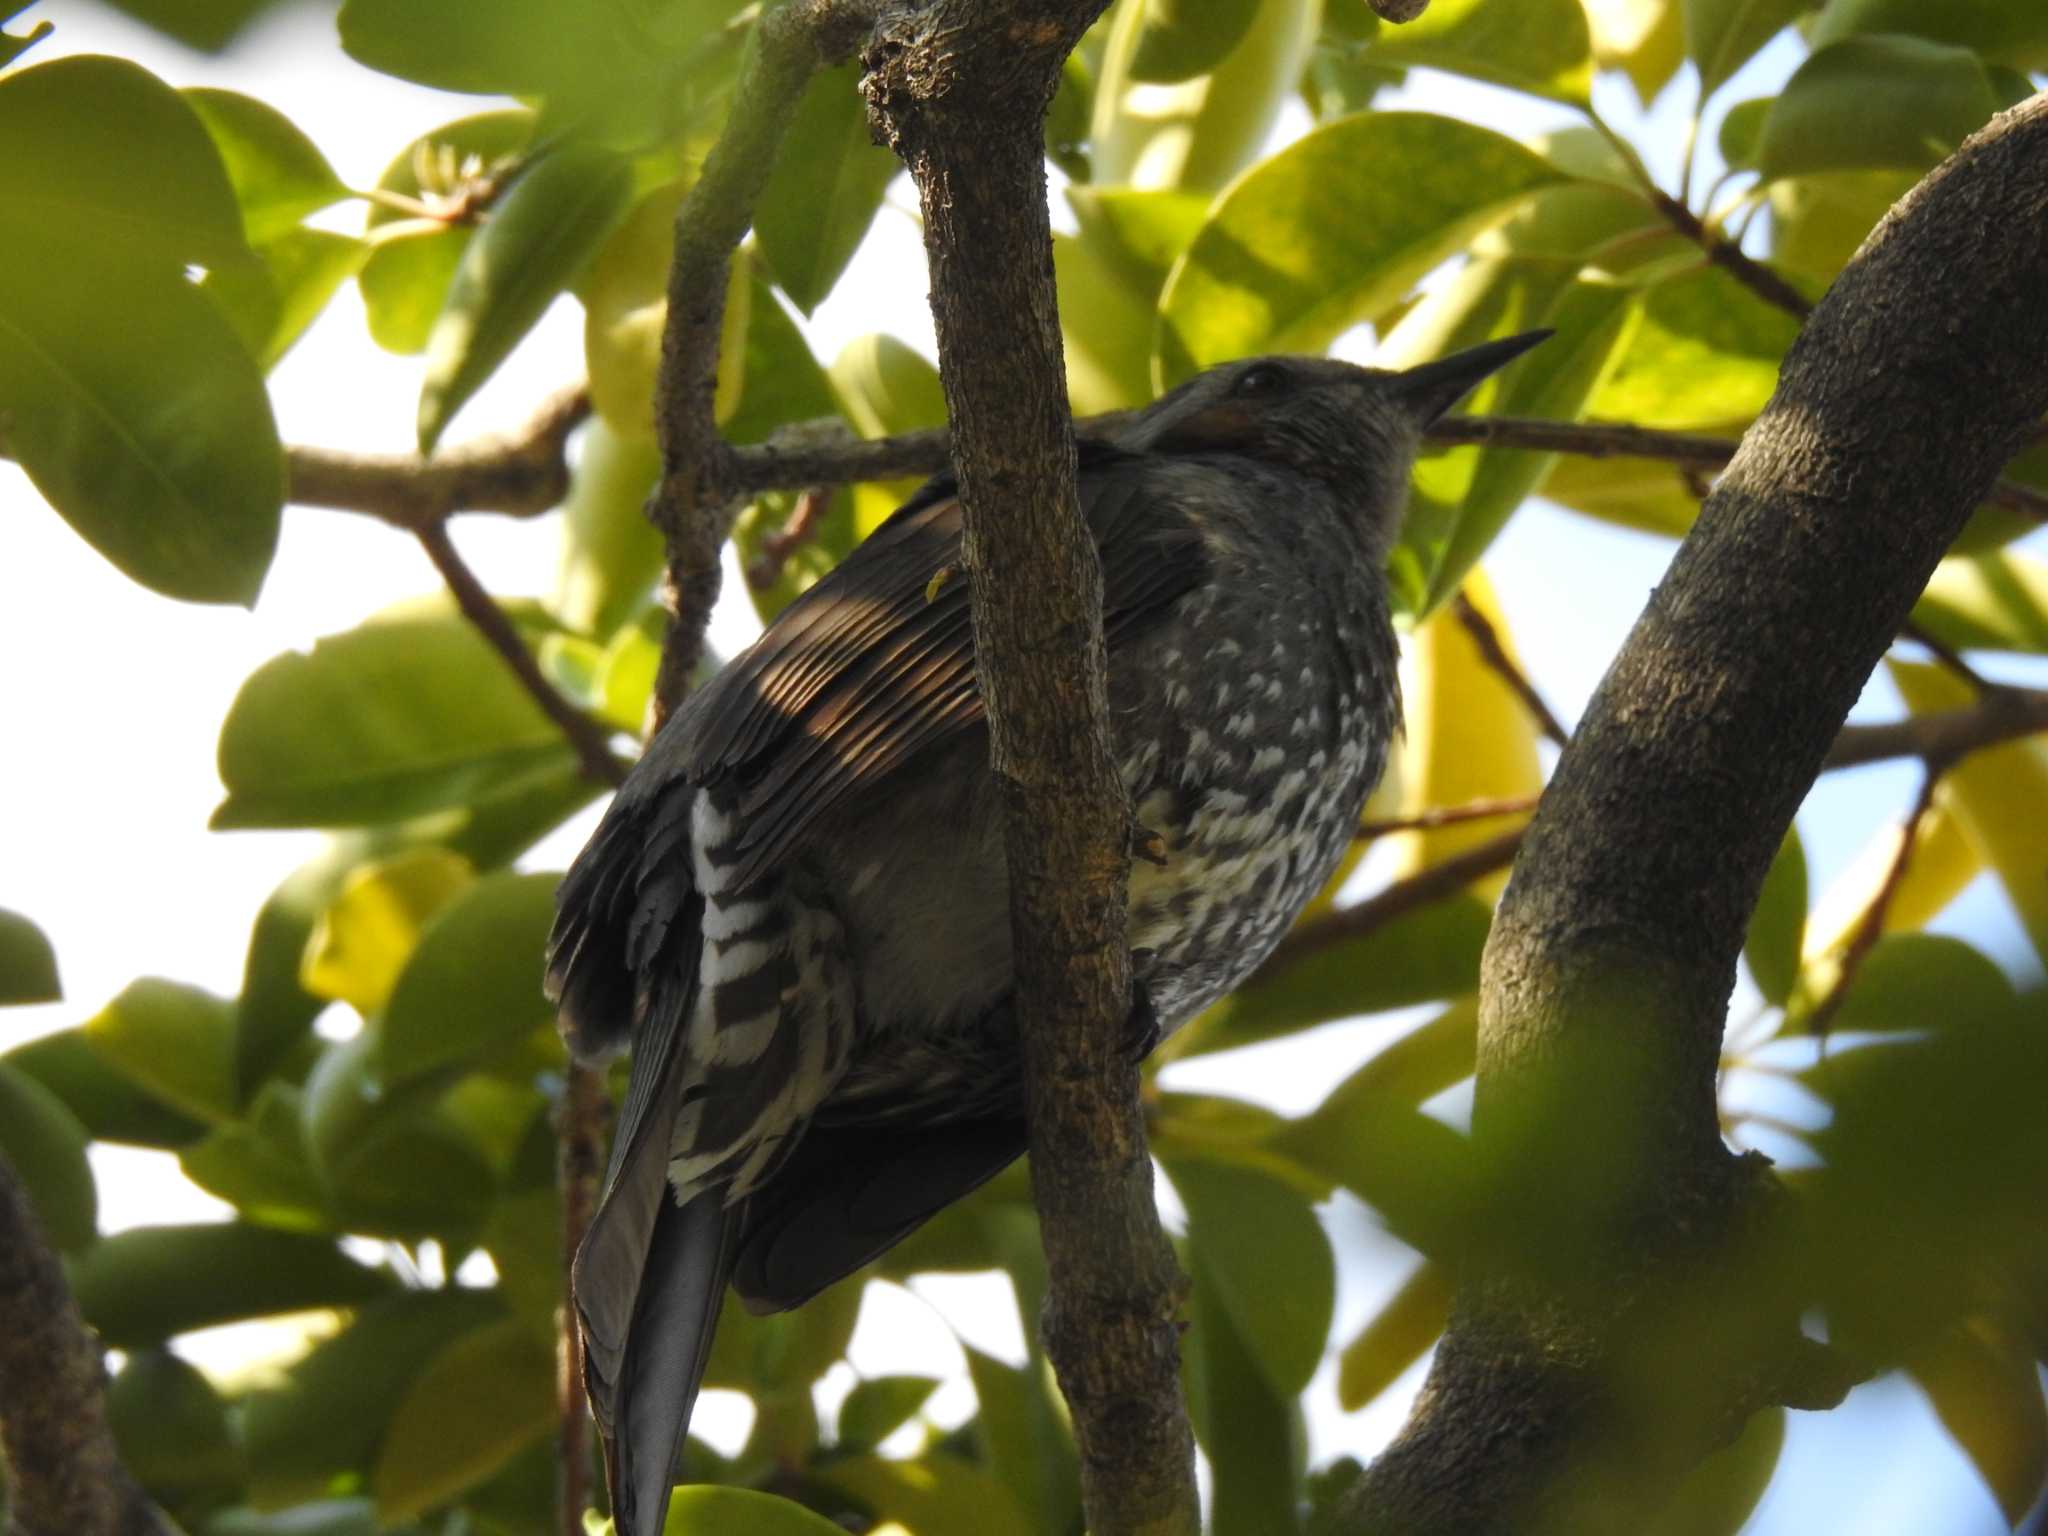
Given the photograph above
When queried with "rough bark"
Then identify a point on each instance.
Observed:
(1598, 1349)
(960, 90)
(64, 1476)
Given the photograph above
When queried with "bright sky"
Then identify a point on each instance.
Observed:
(116, 697)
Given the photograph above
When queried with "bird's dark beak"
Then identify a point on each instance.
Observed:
(1433, 388)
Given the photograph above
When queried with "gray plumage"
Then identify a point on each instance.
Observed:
(796, 913)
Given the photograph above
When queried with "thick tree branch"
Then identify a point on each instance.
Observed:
(1566, 1394)
(692, 506)
(590, 739)
(63, 1474)
(960, 89)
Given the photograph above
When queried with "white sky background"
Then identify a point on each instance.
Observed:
(114, 698)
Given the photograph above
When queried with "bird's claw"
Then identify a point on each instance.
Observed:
(1147, 844)
(1141, 1025)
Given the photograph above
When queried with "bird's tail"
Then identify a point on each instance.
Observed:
(644, 1391)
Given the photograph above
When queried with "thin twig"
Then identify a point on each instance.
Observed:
(591, 740)
(521, 474)
(802, 527)
(580, 1123)
(1947, 655)
(1999, 715)
(1870, 926)
(1446, 816)
(1724, 253)
(1495, 654)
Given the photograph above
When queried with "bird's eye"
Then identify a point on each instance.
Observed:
(1260, 379)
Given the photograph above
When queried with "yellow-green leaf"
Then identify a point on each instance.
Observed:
(1399, 1333)
(477, 1404)
(1542, 46)
(363, 940)
(1986, 1390)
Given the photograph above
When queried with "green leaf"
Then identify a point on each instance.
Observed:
(259, 1164)
(1270, 1261)
(782, 1351)
(1201, 133)
(1398, 1336)
(888, 386)
(107, 1103)
(1720, 1493)
(1414, 1170)
(391, 720)
(1741, 129)
(1184, 38)
(172, 1430)
(704, 1510)
(1817, 222)
(1250, 1431)
(1912, 981)
(827, 184)
(475, 1406)
(1301, 248)
(536, 240)
(1722, 35)
(1432, 953)
(272, 303)
(1026, 1438)
(365, 937)
(208, 25)
(28, 965)
(277, 173)
(2010, 31)
(1986, 1390)
(174, 1040)
(1705, 352)
(332, 1408)
(316, 1517)
(1413, 1069)
(1997, 601)
(473, 984)
(413, 260)
(12, 47)
(876, 1408)
(1594, 323)
(1542, 46)
(934, 1495)
(1632, 493)
(147, 1284)
(1777, 929)
(104, 155)
(611, 553)
(45, 1144)
(1869, 103)
(164, 458)
(1645, 38)
(390, 1159)
(1106, 335)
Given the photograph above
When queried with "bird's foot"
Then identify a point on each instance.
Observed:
(1146, 844)
(1141, 1025)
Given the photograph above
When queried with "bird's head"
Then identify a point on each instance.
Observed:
(1357, 429)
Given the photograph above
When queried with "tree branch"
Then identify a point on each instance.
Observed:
(1595, 1357)
(693, 504)
(590, 739)
(63, 1474)
(960, 90)
(1496, 657)
(580, 1121)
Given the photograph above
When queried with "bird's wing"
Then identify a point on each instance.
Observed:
(876, 662)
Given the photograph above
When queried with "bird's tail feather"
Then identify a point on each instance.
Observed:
(662, 1364)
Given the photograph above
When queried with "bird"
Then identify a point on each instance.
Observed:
(795, 910)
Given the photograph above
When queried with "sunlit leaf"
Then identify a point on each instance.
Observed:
(1541, 46)
(827, 184)
(473, 1407)
(1300, 249)
(45, 1145)
(277, 173)
(259, 1164)
(376, 724)
(1986, 1390)
(174, 1040)
(107, 1103)
(535, 241)
(1718, 1495)
(28, 965)
(1871, 103)
(1996, 796)
(149, 1283)
(473, 982)
(331, 1409)
(1817, 222)
(272, 303)
(1721, 35)
(611, 553)
(1200, 133)
(164, 458)
(1706, 351)
(1645, 38)
(1400, 1333)
(365, 937)
(1184, 38)
(2013, 31)
(1996, 601)
(104, 155)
